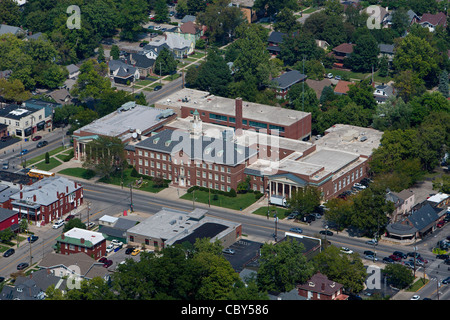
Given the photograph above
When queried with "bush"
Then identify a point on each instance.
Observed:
(88, 174)
(232, 193)
(69, 156)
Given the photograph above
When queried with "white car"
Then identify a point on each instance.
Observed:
(415, 297)
(58, 224)
(346, 250)
(330, 76)
(116, 243)
(359, 186)
(109, 248)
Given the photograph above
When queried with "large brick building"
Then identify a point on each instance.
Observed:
(80, 240)
(238, 114)
(47, 199)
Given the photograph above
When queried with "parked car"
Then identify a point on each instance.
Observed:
(23, 152)
(5, 165)
(22, 266)
(359, 186)
(33, 238)
(228, 251)
(326, 232)
(330, 76)
(157, 88)
(102, 260)
(372, 242)
(442, 256)
(337, 77)
(446, 280)
(9, 252)
(346, 250)
(58, 224)
(116, 242)
(369, 253)
(135, 252)
(296, 230)
(36, 138)
(129, 250)
(388, 260)
(447, 261)
(440, 224)
(109, 248)
(41, 144)
(415, 297)
(400, 254)
(70, 217)
(90, 225)
(371, 257)
(395, 257)
(107, 263)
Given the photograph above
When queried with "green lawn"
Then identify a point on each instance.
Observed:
(241, 201)
(281, 212)
(53, 163)
(51, 153)
(147, 185)
(77, 172)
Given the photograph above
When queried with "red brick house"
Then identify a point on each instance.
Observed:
(8, 219)
(78, 240)
(47, 199)
(319, 287)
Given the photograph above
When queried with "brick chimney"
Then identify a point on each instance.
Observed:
(34, 197)
(21, 195)
(82, 240)
(238, 113)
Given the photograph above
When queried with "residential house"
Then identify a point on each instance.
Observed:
(78, 240)
(36, 36)
(122, 73)
(8, 218)
(386, 50)
(73, 70)
(47, 199)
(21, 120)
(188, 18)
(283, 83)
(33, 286)
(274, 41)
(340, 53)
(318, 85)
(322, 44)
(61, 96)
(17, 31)
(319, 287)
(439, 200)
(342, 87)
(76, 265)
(403, 202)
(431, 21)
(152, 49)
(383, 92)
(246, 7)
(189, 31)
(142, 62)
(179, 46)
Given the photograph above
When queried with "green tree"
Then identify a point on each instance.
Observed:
(105, 155)
(305, 200)
(115, 52)
(10, 12)
(342, 268)
(400, 21)
(299, 46)
(408, 85)
(161, 11)
(392, 114)
(383, 64)
(214, 75)
(399, 276)
(195, 6)
(13, 90)
(339, 213)
(91, 82)
(362, 94)
(286, 21)
(274, 6)
(182, 8)
(132, 14)
(101, 54)
(443, 83)
(95, 289)
(365, 54)
(282, 266)
(333, 8)
(165, 63)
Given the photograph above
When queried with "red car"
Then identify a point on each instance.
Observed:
(102, 260)
(36, 138)
(440, 224)
(107, 263)
(395, 258)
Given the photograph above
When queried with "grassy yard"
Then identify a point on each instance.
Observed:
(281, 212)
(241, 201)
(417, 285)
(53, 163)
(51, 153)
(78, 173)
(147, 185)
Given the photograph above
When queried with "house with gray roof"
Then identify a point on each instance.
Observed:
(17, 31)
(386, 50)
(143, 61)
(115, 227)
(74, 71)
(383, 92)
(32, 287)
(178, 45)
(47, 199)
(283, 83)
(122, 73)
(188, 18)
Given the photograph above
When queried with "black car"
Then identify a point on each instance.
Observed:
(388, 260)
(33, 238)
(157, 88)
(446, 280)
(9, 252)
(22, 266)
(41, 144)
(369, 253)
(442, 256)
(326, 232)
(400, 254)
(447, 261)
(129, 250)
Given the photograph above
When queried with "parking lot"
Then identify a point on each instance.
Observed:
(244, 251)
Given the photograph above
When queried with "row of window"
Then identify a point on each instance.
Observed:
(347, 180)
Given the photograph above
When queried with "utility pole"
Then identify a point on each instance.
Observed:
(131, 197)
